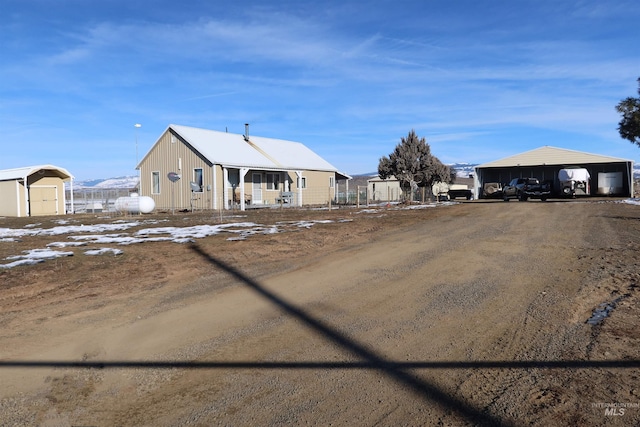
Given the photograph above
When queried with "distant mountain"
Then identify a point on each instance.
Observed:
(462, 170)
(119, 182)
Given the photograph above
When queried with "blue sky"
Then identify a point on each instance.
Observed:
(480, 80)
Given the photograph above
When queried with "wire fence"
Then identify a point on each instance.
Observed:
(361, 195)
(97, 200)
(94, 200)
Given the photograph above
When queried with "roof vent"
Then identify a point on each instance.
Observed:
(246, 132)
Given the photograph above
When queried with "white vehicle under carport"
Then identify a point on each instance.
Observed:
(443, 191)
(574, 182)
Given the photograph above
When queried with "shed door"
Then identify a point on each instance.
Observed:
(43, 200)
(256, 189)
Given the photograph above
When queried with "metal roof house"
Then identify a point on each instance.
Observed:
(546, 162)
(194, 168)
(33, 191)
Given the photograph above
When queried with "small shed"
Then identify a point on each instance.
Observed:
(384, 190)
(33, 191)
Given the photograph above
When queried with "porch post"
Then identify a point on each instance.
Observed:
(225, 188)
(243, 173)
(299, 185)
(214, 204)
(346, 192)
(27, 209)
(73, 210)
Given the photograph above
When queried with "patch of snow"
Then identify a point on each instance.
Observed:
(103, 251)
(41, 254)
(34, 256)
(120, 239)
(26, 261)
(65, 244)
(67, 229)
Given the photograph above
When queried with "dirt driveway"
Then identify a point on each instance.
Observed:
(469, 314)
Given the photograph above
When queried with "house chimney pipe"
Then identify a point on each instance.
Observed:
(246, 131)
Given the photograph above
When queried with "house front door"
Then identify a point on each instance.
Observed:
(256, 189)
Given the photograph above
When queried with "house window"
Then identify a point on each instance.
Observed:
(303, 182)
(273, 181)
(155, 182)
(332, 181)
(198, 178)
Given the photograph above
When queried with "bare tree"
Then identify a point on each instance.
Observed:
(413, 165)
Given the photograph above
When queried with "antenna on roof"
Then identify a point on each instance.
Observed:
(246, 131)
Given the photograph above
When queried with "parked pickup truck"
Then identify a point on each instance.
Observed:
(526, 188)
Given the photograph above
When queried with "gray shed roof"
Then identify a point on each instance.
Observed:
(230, 149)
(551, 156)
(18, 173)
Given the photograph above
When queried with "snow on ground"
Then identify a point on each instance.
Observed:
(34, 256)
(115, 233)
(632, 201)
(103, 234)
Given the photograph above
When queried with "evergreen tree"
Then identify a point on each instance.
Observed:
(413, 165)
(629, 126)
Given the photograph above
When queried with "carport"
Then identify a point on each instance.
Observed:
(546, 162)
(34, 191)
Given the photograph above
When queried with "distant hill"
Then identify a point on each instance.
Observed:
(462, 170)
(128, 182)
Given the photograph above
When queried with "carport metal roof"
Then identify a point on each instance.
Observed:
(551, 156)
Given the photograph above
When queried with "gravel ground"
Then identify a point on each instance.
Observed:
(467, 314)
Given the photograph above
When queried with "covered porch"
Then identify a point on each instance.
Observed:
(249, 188)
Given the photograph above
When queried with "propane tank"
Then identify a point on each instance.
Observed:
(135, 204)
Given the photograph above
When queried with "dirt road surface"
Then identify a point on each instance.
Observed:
(469, 314)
